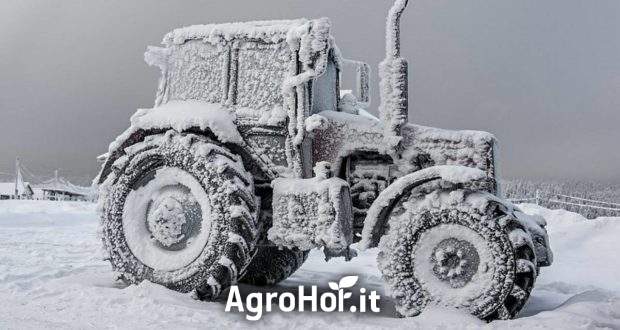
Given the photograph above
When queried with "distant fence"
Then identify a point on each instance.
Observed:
(571, 203)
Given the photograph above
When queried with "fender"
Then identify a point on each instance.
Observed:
(180, 116)
(535, 226)
(446, 175)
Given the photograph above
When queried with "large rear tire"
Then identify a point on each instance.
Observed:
(457, 249)
(179, 210)
(271, 264)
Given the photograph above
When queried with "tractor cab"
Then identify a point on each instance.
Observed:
(271, 75)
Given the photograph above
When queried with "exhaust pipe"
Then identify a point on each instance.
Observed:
(392, 44)
(393, 71)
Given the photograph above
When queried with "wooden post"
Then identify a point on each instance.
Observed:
(16, 177)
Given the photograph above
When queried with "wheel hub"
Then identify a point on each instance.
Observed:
(455, 261)
(168, 222)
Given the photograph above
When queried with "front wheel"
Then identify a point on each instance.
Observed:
(457, 249)
(179, 210)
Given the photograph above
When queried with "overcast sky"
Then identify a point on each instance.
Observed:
(543, 76)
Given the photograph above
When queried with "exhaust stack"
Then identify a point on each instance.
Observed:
(393, 72)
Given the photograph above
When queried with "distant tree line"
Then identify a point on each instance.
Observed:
(590, 199)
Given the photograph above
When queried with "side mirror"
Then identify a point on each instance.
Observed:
(362, 93)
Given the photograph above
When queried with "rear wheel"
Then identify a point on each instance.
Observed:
(457, 249)
(179, 210)
(271, 264)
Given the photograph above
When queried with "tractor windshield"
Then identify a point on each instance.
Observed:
(246, 75)
(261, 68)
(197, 71)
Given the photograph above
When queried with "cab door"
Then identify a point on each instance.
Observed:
(257, 71)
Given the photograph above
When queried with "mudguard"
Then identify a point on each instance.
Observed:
(179, 116)
(461, 177)
(535, 226)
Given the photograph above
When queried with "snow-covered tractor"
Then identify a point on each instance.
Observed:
(253, 155)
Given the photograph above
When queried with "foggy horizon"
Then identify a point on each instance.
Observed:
(545, 82)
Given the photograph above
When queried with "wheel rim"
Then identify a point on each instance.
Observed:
(455, 262)
(454, 265)
(166, 219)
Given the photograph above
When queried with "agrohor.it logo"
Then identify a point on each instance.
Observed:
(289, 302)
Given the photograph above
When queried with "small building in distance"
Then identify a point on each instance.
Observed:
(24, 190)
(59, 189)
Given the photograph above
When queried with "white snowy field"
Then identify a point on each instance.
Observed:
(52, 276)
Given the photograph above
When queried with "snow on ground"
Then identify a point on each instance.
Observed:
(52, 276)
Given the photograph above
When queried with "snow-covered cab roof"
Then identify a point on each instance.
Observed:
(267, 31)
(310, 38)
(249, 65)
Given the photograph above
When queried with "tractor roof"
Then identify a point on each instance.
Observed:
(267, 31)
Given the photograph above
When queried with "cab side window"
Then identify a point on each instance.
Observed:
(325, 89)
